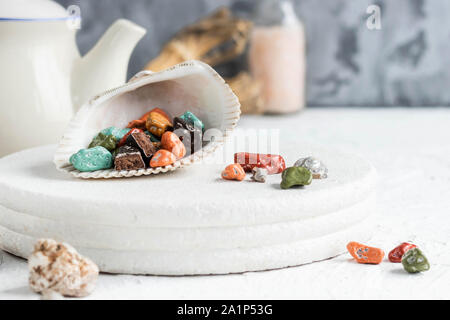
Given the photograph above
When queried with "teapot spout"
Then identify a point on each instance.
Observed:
(105, 66)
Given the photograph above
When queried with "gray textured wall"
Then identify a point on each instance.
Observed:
(406, 63)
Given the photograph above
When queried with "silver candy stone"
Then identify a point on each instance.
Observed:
(259, 174)
(317, 167)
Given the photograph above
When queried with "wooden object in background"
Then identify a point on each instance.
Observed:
(248, 90)
(215, 39)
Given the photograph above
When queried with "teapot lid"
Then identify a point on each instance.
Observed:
(32, 10)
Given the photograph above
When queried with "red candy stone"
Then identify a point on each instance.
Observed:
(122, 141)
(272, 163)
(396, 254)
(139, 124)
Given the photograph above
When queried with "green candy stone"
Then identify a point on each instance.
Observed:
(189, 117)
(102, 140)
(116, 132)
(93, 159)
(295, 176)
(153, 138)
(414, 261)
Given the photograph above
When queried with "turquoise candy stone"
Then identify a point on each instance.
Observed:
(108, 142)
(295, 176)
(153, 138)
(93, 159)
(189, 117)
(116, 132)
(414, 261)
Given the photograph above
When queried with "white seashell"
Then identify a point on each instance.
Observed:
(58, 267)
(192, 85)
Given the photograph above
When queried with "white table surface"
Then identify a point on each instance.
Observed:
(410, 149)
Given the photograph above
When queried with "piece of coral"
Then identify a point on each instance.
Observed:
(58, 267)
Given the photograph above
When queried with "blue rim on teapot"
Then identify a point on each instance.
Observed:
(41, 19)
(36, 10)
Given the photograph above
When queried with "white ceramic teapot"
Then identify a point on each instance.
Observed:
(43, 79)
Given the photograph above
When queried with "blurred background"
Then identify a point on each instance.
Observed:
(406, 63)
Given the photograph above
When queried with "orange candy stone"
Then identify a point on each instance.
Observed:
(365, 254)
(141, 122)
(172, 143)
(157, 123)
(158, 110)
(162, 158)
(233, 172)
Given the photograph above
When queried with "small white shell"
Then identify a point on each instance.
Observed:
(191, 85)
(59, 267)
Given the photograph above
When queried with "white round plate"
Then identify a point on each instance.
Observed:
(187, 221)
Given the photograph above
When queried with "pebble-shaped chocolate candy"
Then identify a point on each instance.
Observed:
(396, 254)
(192, 119)
(162, 158)
(93, 159)
(233, 172)
(317, 167)
(108, 142)
(116, 132)
(171, 142)
(295, 176)
(414, 261)
(365, 254)
(273, 163)
(157, 124)
(190, 135)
